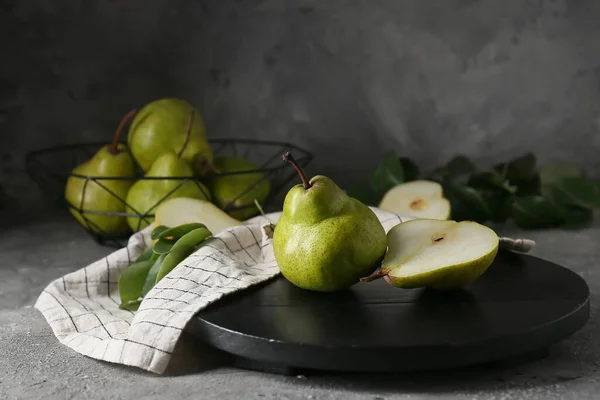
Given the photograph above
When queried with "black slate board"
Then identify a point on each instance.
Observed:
(521, 305)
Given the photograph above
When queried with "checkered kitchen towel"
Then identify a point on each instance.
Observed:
(82, 307)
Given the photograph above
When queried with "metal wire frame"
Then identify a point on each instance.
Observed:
(51, 167)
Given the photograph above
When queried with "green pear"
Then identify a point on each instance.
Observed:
(226, 189)
(146, 194)
(98, 198)
(159, 127)
(324, 240)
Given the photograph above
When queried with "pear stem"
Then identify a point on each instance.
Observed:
(287, 157)
(114, 147)
(187, 133)
(380, 273)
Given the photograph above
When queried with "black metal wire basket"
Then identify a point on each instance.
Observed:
(51, 168)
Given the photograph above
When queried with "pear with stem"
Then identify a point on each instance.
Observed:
(160, 126)
(96, 189)
(324, 240)
(168, 177)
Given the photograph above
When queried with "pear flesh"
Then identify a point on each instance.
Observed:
(186, 210)
(95, 197)
(146, 194)
(226, 189)
(421, 199)
(160, 126)
(324, 240)
(438, 254)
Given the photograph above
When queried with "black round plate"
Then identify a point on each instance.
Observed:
(520, 305)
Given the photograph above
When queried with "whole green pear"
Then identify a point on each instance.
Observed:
(227, 188)
(97, 198)
(324, 240)
(160, 126)
(146, 194)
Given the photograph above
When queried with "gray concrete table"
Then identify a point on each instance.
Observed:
(33, 364)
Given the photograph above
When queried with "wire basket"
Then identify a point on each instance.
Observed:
(51, 168)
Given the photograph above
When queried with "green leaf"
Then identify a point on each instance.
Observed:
(499, 205)
(364, 194)
(576, 217)
(192, 239)
(131, 281)
(151, 277)
(490, 181)
(521, 172)
(179, 231)
(163, 246)
(518, 169)
(388, 173)
(552, 173)
(534, 212)
(456, 170)
(131, 305)
(146, 255)
(581, 192)
(410, 169)
(173, 259)
(157, 231)
(466, 203)
(460, 165)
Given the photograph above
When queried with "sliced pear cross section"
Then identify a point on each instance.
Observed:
(437, 254)
(185, 210)
(421, 199)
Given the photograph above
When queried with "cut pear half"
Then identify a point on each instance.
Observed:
(421, 199)
(437, 254)
(186, 210)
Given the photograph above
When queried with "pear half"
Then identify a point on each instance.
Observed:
(421, 199)
(186, 210)
(437, 254)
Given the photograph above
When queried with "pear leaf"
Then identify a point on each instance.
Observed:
(151, 276)
(499, 205)
(466, 203)
(131, 281)
(576, 191)
(576, 217)
(172, 260)
(534, 212)
(179, 231)
(157, 231)
(163, 246)
(552, 173)
(456, 170)
(459, 165)
(146, 255)
(521, 172)
(388, 173)
(130, 305)
(490, 181)
(519, 169)
(410, 169)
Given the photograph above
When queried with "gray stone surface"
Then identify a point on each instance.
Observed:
(347, 79)
(33, 364)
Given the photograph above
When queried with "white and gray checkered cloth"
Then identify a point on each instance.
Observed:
(82, 307)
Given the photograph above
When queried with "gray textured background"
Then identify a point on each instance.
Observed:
(347, 79)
